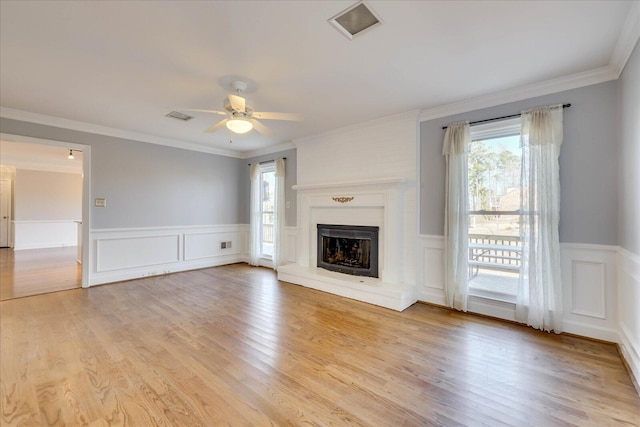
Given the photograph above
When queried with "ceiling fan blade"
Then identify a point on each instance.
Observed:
(216, 126)
(197, 110)
(237, 103)
(278, 116)
(262, 128)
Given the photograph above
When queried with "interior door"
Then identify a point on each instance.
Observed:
(5, 212)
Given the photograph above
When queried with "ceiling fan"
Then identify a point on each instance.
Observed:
(241, 117)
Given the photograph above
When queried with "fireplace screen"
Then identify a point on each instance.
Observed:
(348, 249)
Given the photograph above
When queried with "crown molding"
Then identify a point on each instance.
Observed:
(268, 150)
(42, 167)
(629, 36)
(42, 141)
(7, 172)
(41, 119)
(628, 39)
(572, 81)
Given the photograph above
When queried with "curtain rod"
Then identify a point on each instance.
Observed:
(500, 118)
(266, 161)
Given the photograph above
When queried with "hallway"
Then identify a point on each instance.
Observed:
(38, 271)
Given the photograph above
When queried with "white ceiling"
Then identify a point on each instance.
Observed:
(21, 155)
(125, 64)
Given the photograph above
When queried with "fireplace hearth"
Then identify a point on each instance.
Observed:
(348, 249)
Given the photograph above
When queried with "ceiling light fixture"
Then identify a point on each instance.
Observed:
(70, 156)
(239, 125)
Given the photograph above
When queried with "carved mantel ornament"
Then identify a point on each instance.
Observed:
(342, 199)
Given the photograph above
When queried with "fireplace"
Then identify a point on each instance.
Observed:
(385, 205)
(349, 249)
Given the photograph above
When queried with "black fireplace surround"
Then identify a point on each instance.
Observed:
(349, 249)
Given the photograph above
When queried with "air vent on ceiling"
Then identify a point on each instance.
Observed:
(179, 116)
(355, 20)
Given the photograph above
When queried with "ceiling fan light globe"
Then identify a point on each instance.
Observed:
(239, 125)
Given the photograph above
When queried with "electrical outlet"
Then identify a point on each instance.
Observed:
(228, 245)
(101, 203)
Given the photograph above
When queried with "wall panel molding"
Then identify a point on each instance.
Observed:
(589, 279)
(589, 283)
(124, 254)
(589, 287)
(430, 275)
(291, 234)
(628, 315)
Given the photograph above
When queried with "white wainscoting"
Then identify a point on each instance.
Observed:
(629, 309)
(589, 287)
(431, 269)
(124, 254)
(589, 284)
(44, 234)
(290, 248)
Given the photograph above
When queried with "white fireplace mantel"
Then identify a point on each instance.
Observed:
(361, 184)
(374, 202)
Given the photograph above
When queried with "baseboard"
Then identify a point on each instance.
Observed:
(45, 245)
(590, 331)
(159, 270)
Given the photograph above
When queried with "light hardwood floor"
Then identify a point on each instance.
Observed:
(233, 346)
(38, 271)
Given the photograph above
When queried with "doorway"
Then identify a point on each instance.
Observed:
(5, 211)
(47, 214)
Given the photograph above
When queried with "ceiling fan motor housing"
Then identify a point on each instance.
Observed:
(229, 108)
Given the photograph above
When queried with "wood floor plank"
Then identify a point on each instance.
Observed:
(233, 346)
(38, 271)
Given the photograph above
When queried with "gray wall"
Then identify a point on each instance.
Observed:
(290, 180)
(588, 163)
(629, 171)
(148, 185)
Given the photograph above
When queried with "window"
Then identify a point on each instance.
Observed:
(267, 205)
(494, 168)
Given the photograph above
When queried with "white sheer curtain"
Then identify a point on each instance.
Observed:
(539, 302)
(456, 232)
(255, 219)
(279, 216)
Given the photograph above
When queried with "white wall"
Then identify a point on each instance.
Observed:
(46, 204)
(377, 149)
(375, 162)
(629, 211)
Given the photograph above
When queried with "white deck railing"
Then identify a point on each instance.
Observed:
(493, 252)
